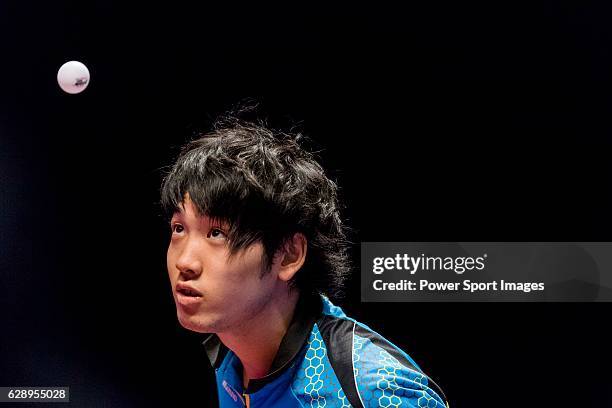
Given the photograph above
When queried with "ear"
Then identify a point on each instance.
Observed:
(292, 256)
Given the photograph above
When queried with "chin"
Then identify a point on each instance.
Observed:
(194, 323)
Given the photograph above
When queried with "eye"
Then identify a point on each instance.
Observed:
(178, 228)
(216, 233)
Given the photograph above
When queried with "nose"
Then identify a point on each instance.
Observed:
(188, 262)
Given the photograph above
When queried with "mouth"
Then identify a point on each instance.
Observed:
(187, 290)
(188, 298)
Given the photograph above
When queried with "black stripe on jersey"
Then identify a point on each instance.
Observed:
(337, 335)
(385, 345)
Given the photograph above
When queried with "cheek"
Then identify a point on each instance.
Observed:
(248, 267)
(240, 274)
(170, 263)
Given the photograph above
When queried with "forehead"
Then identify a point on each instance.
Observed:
(187, 208)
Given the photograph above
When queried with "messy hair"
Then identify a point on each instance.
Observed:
(266, 187)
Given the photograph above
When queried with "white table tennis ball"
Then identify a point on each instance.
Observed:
(73, 77)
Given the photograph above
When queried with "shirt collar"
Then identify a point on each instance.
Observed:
(307, 311)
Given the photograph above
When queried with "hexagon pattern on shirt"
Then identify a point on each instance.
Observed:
(384, 382)
(316, 384)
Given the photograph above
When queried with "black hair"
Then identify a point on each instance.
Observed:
(266, 187)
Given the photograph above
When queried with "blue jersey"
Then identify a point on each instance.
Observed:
(326, 359)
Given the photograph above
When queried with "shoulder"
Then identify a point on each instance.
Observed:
(373, 371)
(386, 376)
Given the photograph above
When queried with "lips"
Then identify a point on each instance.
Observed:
(187, 290)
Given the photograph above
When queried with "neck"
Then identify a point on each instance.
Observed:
(257, 342)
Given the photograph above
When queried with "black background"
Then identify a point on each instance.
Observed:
(441, 121)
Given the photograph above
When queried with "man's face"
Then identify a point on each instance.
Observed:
(231, 290)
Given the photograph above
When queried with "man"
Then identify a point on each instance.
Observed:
(256, 240)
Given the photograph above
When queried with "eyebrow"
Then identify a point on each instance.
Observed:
(180, 213)
(175, 213)
(178, 210)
